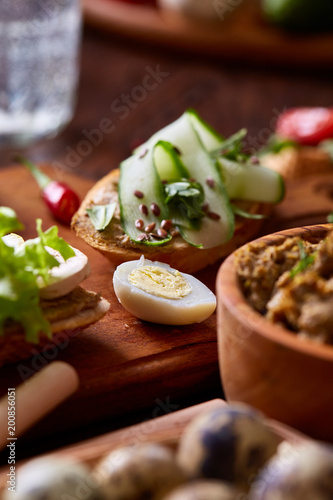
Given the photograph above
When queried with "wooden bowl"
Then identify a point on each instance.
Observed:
(267, 366)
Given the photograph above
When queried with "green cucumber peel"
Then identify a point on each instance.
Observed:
(244, 181)
(138, 174)
(168, 162)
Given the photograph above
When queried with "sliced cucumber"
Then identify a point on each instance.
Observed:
(138, 176)
(167, 161)
(251, 182)
(218, 227)
(209, 138)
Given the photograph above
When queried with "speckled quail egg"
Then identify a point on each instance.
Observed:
(209, 489)
(155, 292)
(53, 479)
(297, 472)
(229, 443)
(136, 472)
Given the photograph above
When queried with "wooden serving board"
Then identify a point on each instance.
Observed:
(125, 364)
(165, 430)
(242, 35)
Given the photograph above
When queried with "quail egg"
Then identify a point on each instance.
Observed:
(155, 292)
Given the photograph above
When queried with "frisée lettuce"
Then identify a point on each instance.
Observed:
(20, 266)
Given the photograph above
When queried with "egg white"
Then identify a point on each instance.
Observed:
(62, 279)
(195, 307)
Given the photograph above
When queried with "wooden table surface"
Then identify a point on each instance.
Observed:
(127, 91)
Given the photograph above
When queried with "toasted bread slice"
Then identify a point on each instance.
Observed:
(114, 244)
(67, 316)
(297, 162)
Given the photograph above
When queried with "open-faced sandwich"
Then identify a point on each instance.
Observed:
(40, 296)
(302, 143)
(186, 197)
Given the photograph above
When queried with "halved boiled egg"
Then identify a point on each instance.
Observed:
(155, 292)
(62, 279)
(65, 277)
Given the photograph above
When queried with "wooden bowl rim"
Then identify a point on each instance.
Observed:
(230, 294)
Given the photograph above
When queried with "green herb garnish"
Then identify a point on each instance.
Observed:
(305, 261)
(188, 197)
(232, 147)
(246, 215)
(101, 215)
(275, 144)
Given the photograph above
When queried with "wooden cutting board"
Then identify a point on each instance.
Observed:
(125, 364)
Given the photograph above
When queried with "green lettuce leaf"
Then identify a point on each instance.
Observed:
(19, 269)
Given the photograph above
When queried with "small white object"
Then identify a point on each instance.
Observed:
(194, 304)
(64, 278)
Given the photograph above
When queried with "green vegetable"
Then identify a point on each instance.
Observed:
(140, 186)
(305, 261)
(191, 172)
(327, 146)
(101, 215)
(246, 215)
(187, 198)
(244, 181)
(300, 14)
(275, 144)
(232, 148)
(19, 269)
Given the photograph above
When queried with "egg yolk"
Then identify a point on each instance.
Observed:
(160, 282)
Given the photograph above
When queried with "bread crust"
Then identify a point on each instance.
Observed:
(76, 311)
(298, 162)
(118, 248)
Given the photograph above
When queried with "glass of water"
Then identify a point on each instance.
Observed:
(39, 68)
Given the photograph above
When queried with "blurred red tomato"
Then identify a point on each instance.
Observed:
(307, 126)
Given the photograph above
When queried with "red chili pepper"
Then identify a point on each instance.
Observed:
(61, 200)
(307, 126)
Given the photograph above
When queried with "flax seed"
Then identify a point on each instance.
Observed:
(139, 224)
(138, 194)
(155, 209)
(162, 233)
(143, 209)
(210, 182)
(166, 224)
(213, 215)
(150, 227)
(143, 237)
